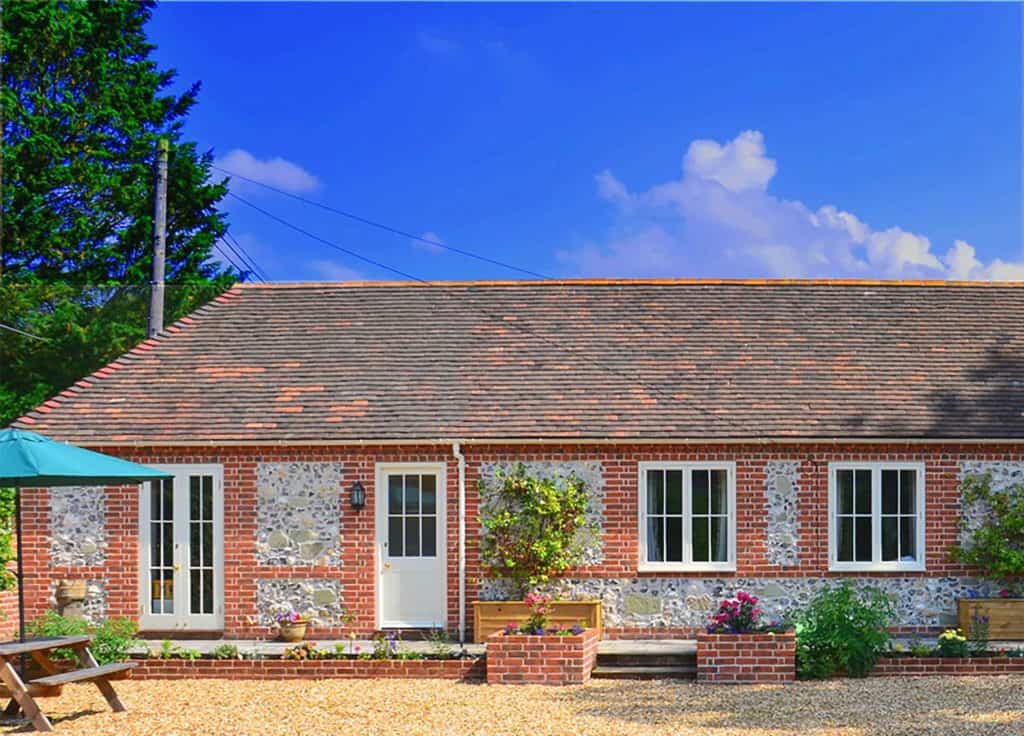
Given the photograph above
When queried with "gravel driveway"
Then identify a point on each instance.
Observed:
(933, 705)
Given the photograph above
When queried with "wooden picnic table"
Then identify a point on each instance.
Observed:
(23, 694)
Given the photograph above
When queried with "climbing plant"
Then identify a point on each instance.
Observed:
(533, 526)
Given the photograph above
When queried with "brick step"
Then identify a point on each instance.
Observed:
(646, 660)
(646, 672)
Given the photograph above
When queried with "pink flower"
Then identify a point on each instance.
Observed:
(1004, 593)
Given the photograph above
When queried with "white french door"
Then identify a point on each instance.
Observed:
(181, 550)
(411, 576)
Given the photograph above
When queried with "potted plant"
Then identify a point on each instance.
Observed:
(291, 626)
(992, 523)
(534, 527)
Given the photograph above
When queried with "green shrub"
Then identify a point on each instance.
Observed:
(226, 651)
(997, 544)
(112, 640)
(843, 630)
(535, 527)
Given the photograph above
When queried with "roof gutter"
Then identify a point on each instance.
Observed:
(447, 441)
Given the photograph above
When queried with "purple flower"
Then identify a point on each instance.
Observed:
(577, 629)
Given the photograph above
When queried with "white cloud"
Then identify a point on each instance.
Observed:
(718, 218)
(434, 246)
(334, 271)
(277, 172)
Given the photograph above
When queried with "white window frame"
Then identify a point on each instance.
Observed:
(877, 564)
(687, 467)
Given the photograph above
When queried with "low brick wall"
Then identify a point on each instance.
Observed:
(737, 658)
(320, 669)
(923, 666)
(9, 614)
(521, 659)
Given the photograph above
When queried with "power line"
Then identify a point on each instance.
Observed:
(243, 270)
(384, 227)
(22, 332)
(248, 258)
(250, 265)
(515, 325)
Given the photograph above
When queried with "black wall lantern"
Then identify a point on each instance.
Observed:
(358, 497)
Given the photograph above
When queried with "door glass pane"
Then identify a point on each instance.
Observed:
(655, 492)
(844, 532)
(720, 539)
(412, 536)
(412, 496)
(655, 534)
(168, 498)
(194, 497)
(719, 492)
(154, 499)
(700, 490)
(908, 539)
(862, 539)
(208, 544)
(208, 592)
(890, 491)
(395, 546)
(429, 493)
(862, 492)
(196, 592)
(908, 492)
(395, 494)
(674, 539)
(890, 539)
(844, 483)
(208, 498)
(168, 543)
(429, 536)
(674, 492)
(194, 544)
(701, 539)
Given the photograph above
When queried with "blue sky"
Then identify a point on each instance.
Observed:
(617, 140)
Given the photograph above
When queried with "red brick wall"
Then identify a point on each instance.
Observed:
(541, 660)
(919, 666)
(321, 669)
(356, 572)
(735, 658)
(9, 614)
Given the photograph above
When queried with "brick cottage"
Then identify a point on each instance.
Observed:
(771, 436)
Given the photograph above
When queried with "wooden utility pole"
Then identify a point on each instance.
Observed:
(156, 293)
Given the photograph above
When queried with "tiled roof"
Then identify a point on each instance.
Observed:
(688, 360)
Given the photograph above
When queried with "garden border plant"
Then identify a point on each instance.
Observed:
(843, 630)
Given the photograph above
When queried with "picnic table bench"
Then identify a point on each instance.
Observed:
(23, 694)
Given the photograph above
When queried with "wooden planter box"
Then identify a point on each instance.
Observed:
(746, 658)
(522, 659)
(492, 616)
(1005, 616)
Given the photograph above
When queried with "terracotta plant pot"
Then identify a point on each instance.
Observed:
(293, 632)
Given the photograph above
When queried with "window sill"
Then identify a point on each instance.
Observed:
(686, 567)
(877, 567)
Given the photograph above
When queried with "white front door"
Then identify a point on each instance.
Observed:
(411, 580)
(181, 550)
